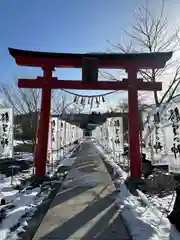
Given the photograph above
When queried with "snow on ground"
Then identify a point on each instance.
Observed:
(145, 219)
(6, 191)
(20, 200)
(67, 161)
(25, 201)
(24, 156)
(164, 204)
(17, 142)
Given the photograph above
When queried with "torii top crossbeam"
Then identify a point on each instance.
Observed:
(130, 62)
(106, 60)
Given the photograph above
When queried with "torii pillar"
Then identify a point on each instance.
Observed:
(130, 62)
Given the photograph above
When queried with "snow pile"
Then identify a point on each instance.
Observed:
(164, 204)
(21, 203)
(66, 161)
(143, 219)
(6, 190)
(25, 202)
(19, 142)
(110, 160)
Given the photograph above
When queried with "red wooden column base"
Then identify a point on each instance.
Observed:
(133, 125)
(41, 150)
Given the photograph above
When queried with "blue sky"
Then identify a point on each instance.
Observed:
(59, 26)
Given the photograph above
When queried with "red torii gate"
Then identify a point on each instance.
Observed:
(130, 62)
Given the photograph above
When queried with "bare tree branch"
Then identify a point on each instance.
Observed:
(151, 32)
(64, 105)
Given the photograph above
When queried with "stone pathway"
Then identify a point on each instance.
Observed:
(84, 208)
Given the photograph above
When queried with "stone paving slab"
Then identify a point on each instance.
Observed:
(84, 207)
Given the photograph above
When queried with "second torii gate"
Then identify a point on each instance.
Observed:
(130, 62)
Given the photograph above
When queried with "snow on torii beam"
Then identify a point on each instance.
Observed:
(130, 62)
